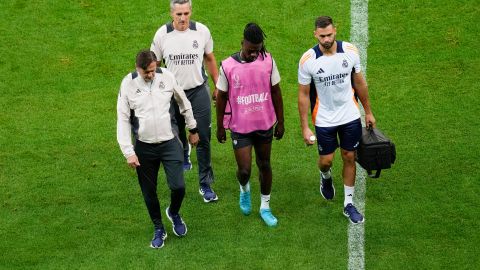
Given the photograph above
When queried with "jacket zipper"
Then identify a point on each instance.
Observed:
(154, 113)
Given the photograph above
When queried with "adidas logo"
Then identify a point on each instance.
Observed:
(320, 71)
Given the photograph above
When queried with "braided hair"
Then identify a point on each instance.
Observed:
(254, 34)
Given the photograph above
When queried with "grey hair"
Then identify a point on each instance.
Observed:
(180, 2)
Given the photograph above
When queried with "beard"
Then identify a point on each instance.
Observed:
(327, 45)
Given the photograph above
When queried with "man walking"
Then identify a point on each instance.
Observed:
(184, 45)
(143, 106)
(249, 83)
(330, 67)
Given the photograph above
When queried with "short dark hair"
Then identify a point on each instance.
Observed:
(145, 58)
(254, 34)
(323, 22)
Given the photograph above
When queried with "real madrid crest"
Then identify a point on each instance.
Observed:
(345, 63)
(195, 44)
(161, 85)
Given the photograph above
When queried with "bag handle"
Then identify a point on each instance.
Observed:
(376, 175)
(369, 172)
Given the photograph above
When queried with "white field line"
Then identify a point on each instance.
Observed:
(356, 233)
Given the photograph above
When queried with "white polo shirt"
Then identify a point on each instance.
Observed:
(183, 51)
(332, 76)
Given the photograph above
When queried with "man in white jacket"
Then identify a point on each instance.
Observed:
(143, 107)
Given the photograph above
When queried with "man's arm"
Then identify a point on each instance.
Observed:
(155, 47)
(303, 105)
(211, 64)
(277, 101)
(124, 133)
(221, 104)
(185, 108)
(361, 89)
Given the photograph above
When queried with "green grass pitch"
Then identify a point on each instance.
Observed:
(68, 200)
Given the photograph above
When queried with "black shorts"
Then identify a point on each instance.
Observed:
(240, 140)
(349, 135)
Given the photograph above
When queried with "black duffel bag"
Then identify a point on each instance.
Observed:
(375, 151)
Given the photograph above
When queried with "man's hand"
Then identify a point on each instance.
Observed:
(279, 131)
(307, 134)
(221, 135)
(133, 162)
(214, 95)
(370, 120)
(193, 139)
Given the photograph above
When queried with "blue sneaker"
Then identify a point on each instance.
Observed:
(158, 238)
(207, 193)
(267, 216)
(326, 188)
(352, 214)
(179, 227)
(245, 203)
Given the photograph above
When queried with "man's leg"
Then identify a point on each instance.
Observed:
(243, 156)
(262, 153)
(263, 148)
(349, 135)
(178, 123)
(325, 163)
(172, 152)
(200, 100)
(349, 167)
(327, 144)
(147, 178)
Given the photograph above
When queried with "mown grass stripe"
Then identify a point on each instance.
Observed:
(356, 233)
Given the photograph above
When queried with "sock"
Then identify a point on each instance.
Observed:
(265, 201)
(348, 195)
(245, 188)
(326, 174)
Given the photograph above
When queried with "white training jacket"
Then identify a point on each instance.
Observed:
(144, 107)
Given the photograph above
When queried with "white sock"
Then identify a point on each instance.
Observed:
(326, 174)
(348, 195)
(265, 201)
(245, 188)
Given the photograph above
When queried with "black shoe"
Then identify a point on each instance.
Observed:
(326, 188)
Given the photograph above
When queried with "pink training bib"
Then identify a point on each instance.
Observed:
(249, 107)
